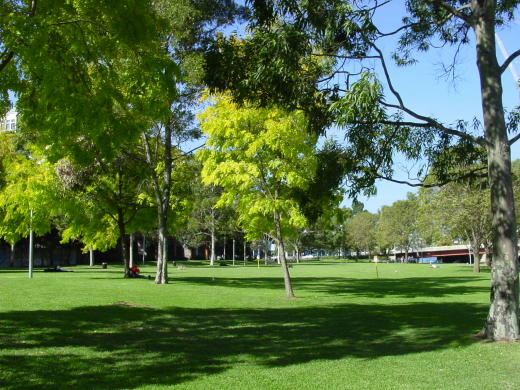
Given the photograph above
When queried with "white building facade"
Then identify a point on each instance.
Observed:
(8, 123)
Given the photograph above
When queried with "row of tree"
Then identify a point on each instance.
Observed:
(100, 85)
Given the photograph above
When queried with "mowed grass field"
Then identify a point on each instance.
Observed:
(232, 328)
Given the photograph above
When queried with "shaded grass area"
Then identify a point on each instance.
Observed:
(230, 328)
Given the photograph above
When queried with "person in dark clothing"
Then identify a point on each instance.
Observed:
(133, 272)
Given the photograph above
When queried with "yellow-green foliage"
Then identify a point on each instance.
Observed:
(29, 183)
(258, 155)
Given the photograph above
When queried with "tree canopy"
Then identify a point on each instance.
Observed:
(258, 155)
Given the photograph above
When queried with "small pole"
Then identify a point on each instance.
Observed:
(91, 251)
(31, 246)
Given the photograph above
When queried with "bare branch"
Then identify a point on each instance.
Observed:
(508, 61)
(6, 60)
(398, 30)
(514, 139)
(32, 10)
(77, 21)
(430, 122)
(473, 173)
(456, 11)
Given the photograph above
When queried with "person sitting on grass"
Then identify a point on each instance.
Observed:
(133, 272)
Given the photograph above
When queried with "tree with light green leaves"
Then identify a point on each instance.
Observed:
(78, 68)
(462, 212)
(257, 155)
(190, 26)
(100, 202)
(207, 222)
(397, 226)
(361, 232)
(28, 195)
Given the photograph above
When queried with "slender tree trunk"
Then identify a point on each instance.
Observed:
(266, 253)
(162, 199)
(122, 237)
(11, 255)
(224, 253)
(475, 248)
(91, 257)
(213, 254)
(131, 250)
(297, 250)
(502, 320)
(161, 275)
(233, 251)
(245, 250)
(487, 248)
(286, 276)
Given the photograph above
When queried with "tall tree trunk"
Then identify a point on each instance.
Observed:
(91, 257)
(161, 275)
(233, 251)
(266, 252)
(245, 251)
(122, 237)
(502, 320)
(131, 250)
(281, 252)
(487, 248)
(162, 200)
(475, 248)
(11, 255)
(213, 255)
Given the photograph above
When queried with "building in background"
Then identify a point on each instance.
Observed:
(8, 123)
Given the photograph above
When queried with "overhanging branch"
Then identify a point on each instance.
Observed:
(478, 172)
(508, 61)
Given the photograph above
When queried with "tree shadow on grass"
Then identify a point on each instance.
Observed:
(370, 288)
(114, 347)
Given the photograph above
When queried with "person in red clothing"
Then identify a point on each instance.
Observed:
(133, 272)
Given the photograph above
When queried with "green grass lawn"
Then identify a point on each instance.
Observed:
(231, 328)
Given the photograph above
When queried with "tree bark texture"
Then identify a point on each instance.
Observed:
(162, 200)
(502, 321)
(281, 252)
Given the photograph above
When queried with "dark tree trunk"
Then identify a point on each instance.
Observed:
(502, 321)
(122, 238)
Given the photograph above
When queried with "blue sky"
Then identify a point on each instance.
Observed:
(426, 92)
